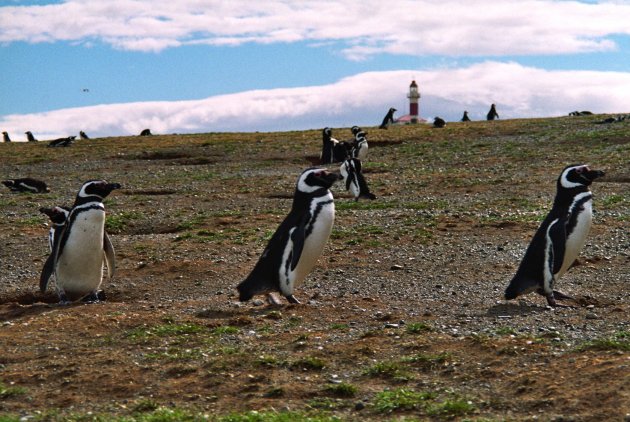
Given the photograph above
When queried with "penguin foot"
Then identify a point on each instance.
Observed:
(94, 297)
(292, 299)
(551, 300)
(561, 296)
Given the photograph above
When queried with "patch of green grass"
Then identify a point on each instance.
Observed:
(310, 363)
(401, 399)
(612, 201)
(11, 391)
(505, 331)
(339, 326)
(115, 223)
(619, 341)
(226, 329)
(451, 408)
(269, 361)
(270, 416)
(341, 390)
(426, 360)
(388, 369)
(417, 328)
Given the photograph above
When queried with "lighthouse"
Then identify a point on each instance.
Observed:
(413, 96)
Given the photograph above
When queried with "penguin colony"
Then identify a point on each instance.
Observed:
(80, 247)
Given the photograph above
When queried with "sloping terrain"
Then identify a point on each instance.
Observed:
(402, 318)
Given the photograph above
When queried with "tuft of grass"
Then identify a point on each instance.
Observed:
(341, 390)
(619, 341)
(401, 399)
(270, 416)
(390, 369)
(115, 223)
(428, 361)
(165, 330)
(309, 363)
(451, 408)
(227, 329)
(11, 391)
(418, 327)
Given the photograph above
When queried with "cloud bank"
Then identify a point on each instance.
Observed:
(358, 28)
(362, 99)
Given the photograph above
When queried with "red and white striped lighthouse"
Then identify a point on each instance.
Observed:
(414, 96)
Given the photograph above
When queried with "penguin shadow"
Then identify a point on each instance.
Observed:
(26, 304)
(515, 309)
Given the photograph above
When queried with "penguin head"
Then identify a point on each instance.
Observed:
(315, 179)
(57, 215)
(575, 176)
(327, 132)
(96, 188)
(355, 130)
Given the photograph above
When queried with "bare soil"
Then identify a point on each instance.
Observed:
(406, 298)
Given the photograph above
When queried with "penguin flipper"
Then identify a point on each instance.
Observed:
(47, 271)
(298, 237)
(109, 255)
(520, 285)
(558, 236)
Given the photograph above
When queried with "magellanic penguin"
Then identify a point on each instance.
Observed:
(560, 237)
(57, 216)
(6, 137)
(30, 137)
(333, 151)
(77, 256)
(360, 145)
(26, 184)
(355, 182)
(299, 240)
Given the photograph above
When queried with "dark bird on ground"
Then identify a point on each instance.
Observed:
(388, 119)
(83, 135)
(62, 142)
(5, 135)
(26, 184)
(492, 114)
(439, 122)
(465, 117)
(146, 132)
(30, 137)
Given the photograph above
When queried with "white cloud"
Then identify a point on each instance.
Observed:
(362, 99)
(362, 27)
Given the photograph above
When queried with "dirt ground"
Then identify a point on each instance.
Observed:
(406, 299)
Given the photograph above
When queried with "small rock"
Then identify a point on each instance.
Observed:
(396, 267)
(361, 406)
(592, 315)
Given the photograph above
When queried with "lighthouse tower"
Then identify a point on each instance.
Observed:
(413, 96)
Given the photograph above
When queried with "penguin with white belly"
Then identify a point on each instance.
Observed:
(355, 182)
(298, 242)
(79, 248)
(560, 237)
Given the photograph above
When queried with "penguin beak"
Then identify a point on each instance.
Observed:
(594, 174)
(113, 186)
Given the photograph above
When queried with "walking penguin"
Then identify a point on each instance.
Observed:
(560, 237)
(77, 255)
(298, 242)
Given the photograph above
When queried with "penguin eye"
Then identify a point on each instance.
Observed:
(579, 170)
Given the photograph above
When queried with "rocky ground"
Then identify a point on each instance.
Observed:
(403, 318)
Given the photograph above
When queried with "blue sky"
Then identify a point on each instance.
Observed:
(114, 67)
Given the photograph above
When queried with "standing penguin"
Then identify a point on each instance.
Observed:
(30, 137)
(560, 237)
(298, 242)
(5, 135)
(388, 119)
(355, 182)
(77, 256)
(360, 146)
(333, 151)
(465, 117)
(492, 113)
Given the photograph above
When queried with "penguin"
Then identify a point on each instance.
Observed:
(83, 135)
(388, 119)
(57, 216)
(146, 132)
(492, 113)
(30, 137)
(82, 246)
(26, 184)
(360, 146)
(355, 182)
(298, 242)
(5, 135)
(333, 151)
(439, 122)
(559, 239)
(465, 117)
(62, 142)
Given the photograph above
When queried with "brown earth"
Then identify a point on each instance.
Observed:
(406, 298)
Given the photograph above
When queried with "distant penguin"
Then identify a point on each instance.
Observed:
(5, 135)
(388, 119)
(30, 137)
(465, 117)
(333, 151)
(146, 132)
(26, 184)
(78, 250)
(355, 182)
(439, 122)
(57, 216)
(360, 146)
(61, 142)
(83, 135)
(560, 237)
(492, 114)
(298, 242)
